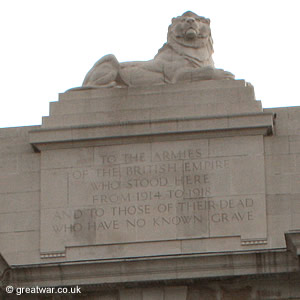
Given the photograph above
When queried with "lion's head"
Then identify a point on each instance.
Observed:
(191, 30)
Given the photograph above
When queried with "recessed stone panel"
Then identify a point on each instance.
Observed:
(152, 192)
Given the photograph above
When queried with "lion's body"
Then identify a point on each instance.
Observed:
(187, 55)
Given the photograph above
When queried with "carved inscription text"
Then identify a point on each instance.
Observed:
(148, 192)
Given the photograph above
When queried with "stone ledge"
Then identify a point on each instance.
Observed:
(183, 87)
(188, 267)
(179, 128)
(293, 241)
(88, 113)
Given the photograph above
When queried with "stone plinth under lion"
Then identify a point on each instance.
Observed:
(187, 56)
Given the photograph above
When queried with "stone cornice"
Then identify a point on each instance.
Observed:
(293, 241)
(147, 270)
(166, 129)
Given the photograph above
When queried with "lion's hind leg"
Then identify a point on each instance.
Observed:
(104, 73)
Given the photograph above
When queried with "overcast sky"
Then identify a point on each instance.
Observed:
(47, 46)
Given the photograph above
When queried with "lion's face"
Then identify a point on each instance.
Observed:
(190, 30)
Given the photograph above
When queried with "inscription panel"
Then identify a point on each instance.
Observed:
(152, 192)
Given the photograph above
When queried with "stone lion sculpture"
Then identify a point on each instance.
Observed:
(187, 56)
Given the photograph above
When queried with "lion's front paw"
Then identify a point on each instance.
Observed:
(206, 73)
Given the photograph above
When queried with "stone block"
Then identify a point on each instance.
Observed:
(17, 242)
(186, 88)
(276, 145)
(127, 104)
(237, 294)
(19, 222)
(294, 144)
(295, 211)
(159, 128)
(297, 163)
(247, 175)
(8, 163)
(272, 289)
(19, 202)
(295, 203)
(21, 133)
(293, 290)
(281, 121)
(211, 245)
(14, 145)
(192, 110)
(293, 114)
(131, 294)
(176, 293)
(293, 118)
(67, 158)
(29, 162)
(145, 249)
(200, 293)
(50, 196)
(279, 205)
(280, 164)
(153, 294)
(206, 124)
(89, 115)
(235, 146)
(154, 130)
(24, 257)
(276, 224)
(246, 120)
(14, 141)
(293, 127)
(57, 135)
(295, 221)
(295, 184)
(280, 184)
(20, 182)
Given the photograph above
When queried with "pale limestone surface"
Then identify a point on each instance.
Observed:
(124, 203)
(21, 206)
(240, 176)
(183, 191)
(154, 191)
(187, 56)
(92, 207)
(124, 105)
(19, 196)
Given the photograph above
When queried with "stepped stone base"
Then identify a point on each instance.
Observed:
(186, 192)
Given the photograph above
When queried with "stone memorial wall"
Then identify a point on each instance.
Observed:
(154, 180)
(153, 191)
